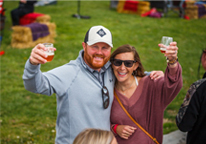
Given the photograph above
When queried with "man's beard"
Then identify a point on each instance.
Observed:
(91, 62)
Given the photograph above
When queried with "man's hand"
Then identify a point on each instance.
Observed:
(37, 55)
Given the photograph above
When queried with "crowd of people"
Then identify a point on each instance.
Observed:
(93, 90)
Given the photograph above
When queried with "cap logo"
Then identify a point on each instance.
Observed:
(101, 32)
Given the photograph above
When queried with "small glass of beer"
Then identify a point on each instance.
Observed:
(165, 41)
(49, 52)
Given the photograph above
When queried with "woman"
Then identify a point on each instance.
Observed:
(144, 99)
(95, 136)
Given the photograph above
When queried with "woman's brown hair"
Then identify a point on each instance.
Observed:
(128, 48)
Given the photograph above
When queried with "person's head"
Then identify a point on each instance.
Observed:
(97, 47)
(95, 136)
(132, 64)
(203, 62)
(203, 59)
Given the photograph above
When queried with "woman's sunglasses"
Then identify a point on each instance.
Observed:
(127, 63)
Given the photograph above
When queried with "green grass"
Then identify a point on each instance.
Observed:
(30, 118)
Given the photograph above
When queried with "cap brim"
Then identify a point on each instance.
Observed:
(93, 42)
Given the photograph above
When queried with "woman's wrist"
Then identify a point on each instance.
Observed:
(115, 128)
(173, 61)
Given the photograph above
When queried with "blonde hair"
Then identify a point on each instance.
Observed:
(94, 136)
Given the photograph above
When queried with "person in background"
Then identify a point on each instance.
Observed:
(45, 2)
(144, 99)
(192, 113)
(204, 62)
(95, 136)
(83, 87)
(25, 7)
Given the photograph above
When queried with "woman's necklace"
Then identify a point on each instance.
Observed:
(123, 90)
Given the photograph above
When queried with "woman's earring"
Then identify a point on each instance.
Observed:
(134, 72)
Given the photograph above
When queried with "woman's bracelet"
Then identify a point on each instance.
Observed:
(115, 128)
(172, 62)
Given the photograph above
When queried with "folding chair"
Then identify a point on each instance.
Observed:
(176, 6)
(167, 5)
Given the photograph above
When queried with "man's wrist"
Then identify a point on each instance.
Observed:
(32, 62)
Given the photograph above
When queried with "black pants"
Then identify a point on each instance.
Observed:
(17, 13)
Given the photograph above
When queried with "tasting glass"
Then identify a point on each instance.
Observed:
(49, 51)
(166, 42)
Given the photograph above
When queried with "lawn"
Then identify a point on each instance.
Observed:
(30, 118)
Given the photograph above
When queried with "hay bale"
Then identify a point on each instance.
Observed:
(22, 36)
(204, 16)
(195, 11)
(44, 18)
(191, 10)
(133, 7)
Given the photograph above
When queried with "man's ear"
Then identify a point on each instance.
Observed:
(84, 45)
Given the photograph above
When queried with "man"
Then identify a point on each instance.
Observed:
(83, 87)
(192, 114)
